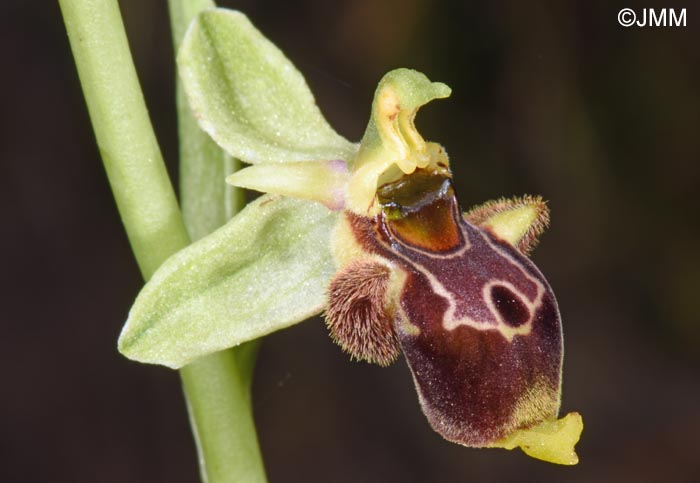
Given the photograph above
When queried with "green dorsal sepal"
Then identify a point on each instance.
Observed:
(249, 97)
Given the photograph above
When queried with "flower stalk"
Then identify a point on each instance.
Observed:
(217, 387)
(129, 149)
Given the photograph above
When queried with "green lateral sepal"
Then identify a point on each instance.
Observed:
(266, 269)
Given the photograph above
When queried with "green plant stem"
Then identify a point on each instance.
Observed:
(125, 137)
(218, 403)
(217, 395)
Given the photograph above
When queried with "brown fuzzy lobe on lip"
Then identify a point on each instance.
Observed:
(358, 317)
(475, 385)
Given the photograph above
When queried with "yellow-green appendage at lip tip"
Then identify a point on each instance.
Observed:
(551, 441)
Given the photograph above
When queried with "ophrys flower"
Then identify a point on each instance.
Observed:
(373, 233)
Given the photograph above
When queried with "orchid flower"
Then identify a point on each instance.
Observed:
(373, 234)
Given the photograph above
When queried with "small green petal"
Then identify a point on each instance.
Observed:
(249, 97)
(322, 181)
(266, 269)
(551, 441)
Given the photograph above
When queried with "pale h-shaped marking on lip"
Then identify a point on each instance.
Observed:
(451, 321)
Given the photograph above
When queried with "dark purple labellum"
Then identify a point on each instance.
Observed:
(476, 320)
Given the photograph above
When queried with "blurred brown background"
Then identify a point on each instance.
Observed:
(552, 98)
